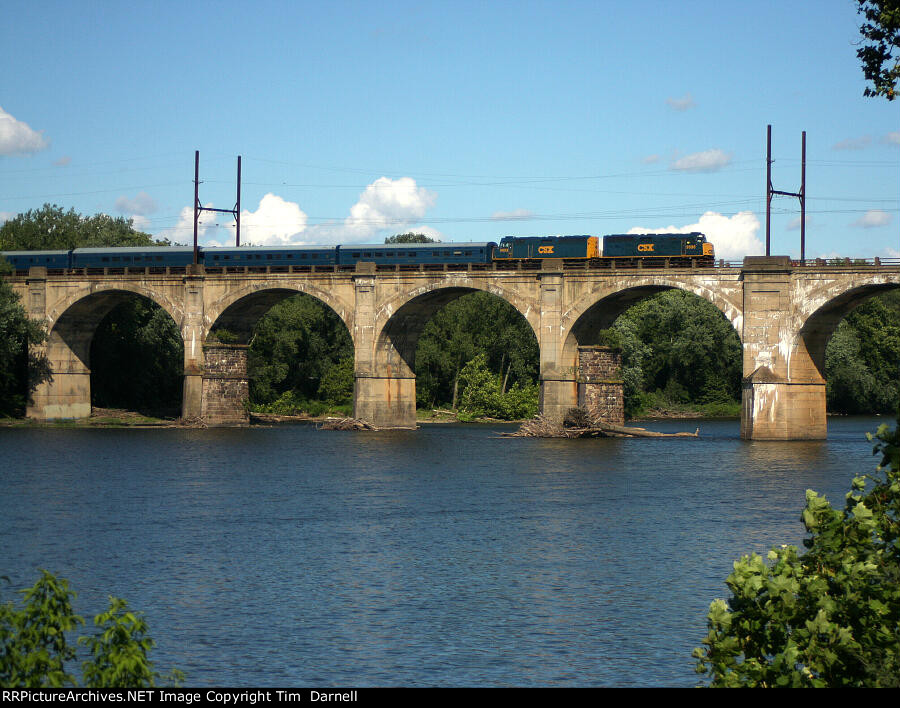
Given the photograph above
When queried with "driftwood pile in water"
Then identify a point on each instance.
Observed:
(579, 424)
(346, 424)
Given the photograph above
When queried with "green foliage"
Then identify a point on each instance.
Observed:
(880, 51)
(33, 644)
(862, 359)
(830, 617)
(472, 324)
(293, 347)
(483, 395)
(677, 350)
(51, 228)
(336, 386)
(137, 360)
(225, 336)
(21, 370)
(119, 651)
(34, 647)
(410, 237)
(289, 403)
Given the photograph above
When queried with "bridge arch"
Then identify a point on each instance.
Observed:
(600, 308)
(816, 323)
(241, 308)
(385, 355)
(400, 320)
(72, 325)
(102, 294)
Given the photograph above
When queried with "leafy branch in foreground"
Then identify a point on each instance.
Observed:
(34, 649)
(830, 617)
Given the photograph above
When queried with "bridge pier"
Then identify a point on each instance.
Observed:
(384, 401)
(783, 396)
(68, 394)
(783, 410)
(225, 385)
(559, 383)
(557, 396)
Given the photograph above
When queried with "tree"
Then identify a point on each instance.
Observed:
(50, 228)
(678, 346)
(483, 396)
(863, 358)
(880, 51)
(472, 324)
(35, 651)
(293, 347)
(830, 617)
(137, 359)
(21, 370)
(410, 237)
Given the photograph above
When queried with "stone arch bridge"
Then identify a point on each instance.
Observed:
(784, 316)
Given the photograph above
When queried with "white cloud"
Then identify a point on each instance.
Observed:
(183, 231)
(873, 219)
(681, 104)
(853, 143)
(64, 161)
(274, 223)
(650, 159)
(385, 205)
(141, 205)
(18, 138)
(733, 236)
(706, 161)
(514, 215)
(891, 253)
(6, 216)
(141, 223)
(892, 138)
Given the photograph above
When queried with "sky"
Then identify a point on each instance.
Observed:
(466, 121)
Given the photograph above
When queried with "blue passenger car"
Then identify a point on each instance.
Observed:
(416, 253)
(226, 257)
(23, 260)
(133, 257)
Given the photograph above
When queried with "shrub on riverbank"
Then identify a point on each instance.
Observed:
(35, 651)
(830, 617)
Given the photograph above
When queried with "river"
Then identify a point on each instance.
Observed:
(446, 556)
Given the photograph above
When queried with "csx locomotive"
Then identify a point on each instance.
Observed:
(622, 249)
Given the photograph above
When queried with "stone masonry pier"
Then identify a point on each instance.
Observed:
(784, 316)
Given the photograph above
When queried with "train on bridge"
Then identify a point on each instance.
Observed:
(613, 250)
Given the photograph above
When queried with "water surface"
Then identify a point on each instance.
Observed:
(447, 556)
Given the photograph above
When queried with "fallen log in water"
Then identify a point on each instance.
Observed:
(345, 424)
(541, 427)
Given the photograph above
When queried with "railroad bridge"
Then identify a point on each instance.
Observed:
(783, 312)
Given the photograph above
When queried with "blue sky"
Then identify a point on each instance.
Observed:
(465, 120)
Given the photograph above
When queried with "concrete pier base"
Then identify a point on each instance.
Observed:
(783, 410)
(557, 397)
(385, 402)
(67, 396)
(192, 395)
